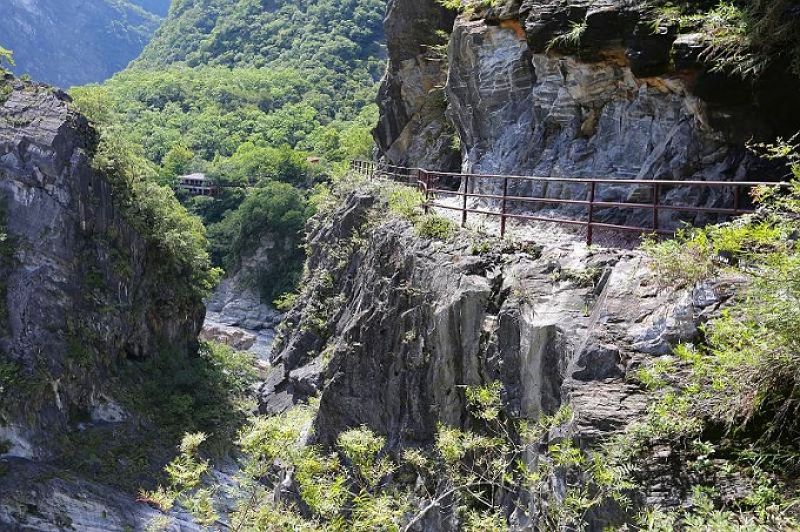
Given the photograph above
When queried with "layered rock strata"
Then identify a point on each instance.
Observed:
(391, 328)
(412, 129)
(591, 89)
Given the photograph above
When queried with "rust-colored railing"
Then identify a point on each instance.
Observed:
(428, 183)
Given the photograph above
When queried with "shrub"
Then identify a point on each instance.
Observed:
(405, 201)
(185, 475)
(435, 226)
(468, 6)
(7, 57)
(740, 37)
(322, 482)
(683, 260)
(203, 393)
(361, 446)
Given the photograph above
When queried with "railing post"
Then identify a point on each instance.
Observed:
(425, 180)
(503, 209)
(464, 203)
(736, 199)
(590, 223)
(656, 195)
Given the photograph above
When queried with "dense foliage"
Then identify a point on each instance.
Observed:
(154, 212)
(6, 59)
(361, 485)
(744, 37)
(213, 111)
(342, 36)
(248, 92)
(168, 394)
(273, 211)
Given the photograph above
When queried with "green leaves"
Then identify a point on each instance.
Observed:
(407, 202)
(276, 438)
(743, 38)
(185, 474)
(7, 57)
(361, 446)
(468, 6)
(322, 481)
(485, 400)
(342, 35)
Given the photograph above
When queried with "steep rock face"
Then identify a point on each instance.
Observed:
(413, 321)
(412, 130)
(615, 99)
(80, 289)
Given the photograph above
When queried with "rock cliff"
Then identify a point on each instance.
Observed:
(574, 88)
(412, 129)
(392, 327)
(82, 289)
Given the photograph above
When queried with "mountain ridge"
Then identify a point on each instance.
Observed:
(67, 43)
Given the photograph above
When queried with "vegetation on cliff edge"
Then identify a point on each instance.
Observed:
(742, 37)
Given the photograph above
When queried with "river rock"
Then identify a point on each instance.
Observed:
(237, 338)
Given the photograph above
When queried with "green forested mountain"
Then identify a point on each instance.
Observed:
(219, 74)
(71, 42)
(246, 91)
(337, 35)
(214, 111)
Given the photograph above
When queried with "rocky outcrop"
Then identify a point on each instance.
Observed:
(412, 130)
(579, 89)
(35, 497)
(239, 339)
(391, 330)
(238, 314)
(81, 289)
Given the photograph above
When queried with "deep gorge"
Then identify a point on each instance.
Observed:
(310, 349)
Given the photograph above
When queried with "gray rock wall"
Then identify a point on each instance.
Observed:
(413, 321)
(35, 497)
(79, 286)
(412, 129)
(617, 101)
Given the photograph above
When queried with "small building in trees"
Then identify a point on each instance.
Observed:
(197, 185)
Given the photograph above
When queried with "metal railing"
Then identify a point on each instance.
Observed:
(427, 182)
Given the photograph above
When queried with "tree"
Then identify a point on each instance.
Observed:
(6, 56)
(253, 163)
(176, 162)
